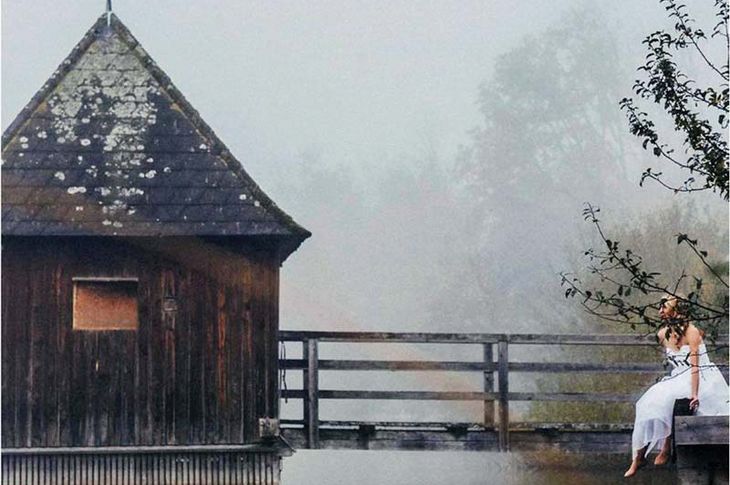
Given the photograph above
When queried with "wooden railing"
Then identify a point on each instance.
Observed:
(494, 390)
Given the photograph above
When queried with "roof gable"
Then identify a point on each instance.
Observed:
(109, 146)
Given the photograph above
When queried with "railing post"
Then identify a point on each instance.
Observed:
(503, 359)
(488, 386)
(310, 384)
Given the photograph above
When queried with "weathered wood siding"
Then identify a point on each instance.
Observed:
(201, 375)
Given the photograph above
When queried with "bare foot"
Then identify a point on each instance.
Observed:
(635, 465)
(661, 459)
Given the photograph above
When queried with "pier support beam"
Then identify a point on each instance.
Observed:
(702, 449)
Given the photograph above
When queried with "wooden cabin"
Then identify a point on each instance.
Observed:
(140, 278)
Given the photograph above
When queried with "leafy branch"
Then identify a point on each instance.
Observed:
(689, 106)
(629, 293)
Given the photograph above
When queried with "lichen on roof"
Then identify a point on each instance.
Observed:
(108, 146)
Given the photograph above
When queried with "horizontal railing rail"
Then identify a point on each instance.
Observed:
(495, 390)
(425, 365)
(475, 338)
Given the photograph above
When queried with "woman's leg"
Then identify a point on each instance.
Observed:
(638, 461)
(666, 452)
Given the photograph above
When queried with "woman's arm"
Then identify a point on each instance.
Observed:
(694, 339)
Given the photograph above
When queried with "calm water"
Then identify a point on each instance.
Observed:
(437, 468)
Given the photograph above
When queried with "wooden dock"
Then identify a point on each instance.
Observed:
(702, 449)
(496, 432)
(598, 438)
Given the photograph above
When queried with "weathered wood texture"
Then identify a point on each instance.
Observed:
(426, 365)
(488, 384)
(466, 438)
(201, 371)
(475, 338)
(160, 467)
(311, 394)
(701, 430)
(702, 449)
(464, 396)
(503, 381)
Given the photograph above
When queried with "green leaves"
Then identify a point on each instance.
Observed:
(689, 107)
(628, 291)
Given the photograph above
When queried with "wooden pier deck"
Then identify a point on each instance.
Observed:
(496, 432)
(599, 438)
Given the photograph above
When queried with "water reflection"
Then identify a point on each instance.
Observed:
(439, 468)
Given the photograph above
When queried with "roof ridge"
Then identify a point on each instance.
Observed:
(218, 148)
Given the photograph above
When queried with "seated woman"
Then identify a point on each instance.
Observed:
(693, 376)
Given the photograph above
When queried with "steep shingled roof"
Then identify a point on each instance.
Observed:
(109, 146)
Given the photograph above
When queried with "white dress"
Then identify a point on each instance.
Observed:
(654, 409)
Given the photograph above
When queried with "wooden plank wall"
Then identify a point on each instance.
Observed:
(201, 375)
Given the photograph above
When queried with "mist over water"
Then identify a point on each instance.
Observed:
(439, 468)
(440, 154)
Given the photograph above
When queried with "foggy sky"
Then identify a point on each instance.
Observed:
(365, 87)
(361, 83)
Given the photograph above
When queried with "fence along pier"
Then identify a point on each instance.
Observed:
(496, 432)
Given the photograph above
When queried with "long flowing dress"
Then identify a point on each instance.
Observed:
(654, 409)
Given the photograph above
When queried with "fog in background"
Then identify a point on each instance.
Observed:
(439, 152)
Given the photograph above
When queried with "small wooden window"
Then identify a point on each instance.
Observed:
(105, 304)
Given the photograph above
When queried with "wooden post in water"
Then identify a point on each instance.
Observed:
(310, 383)
(503, 362)
(488, 386)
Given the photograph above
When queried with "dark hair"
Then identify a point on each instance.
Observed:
(678, 326)
(679, 323)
